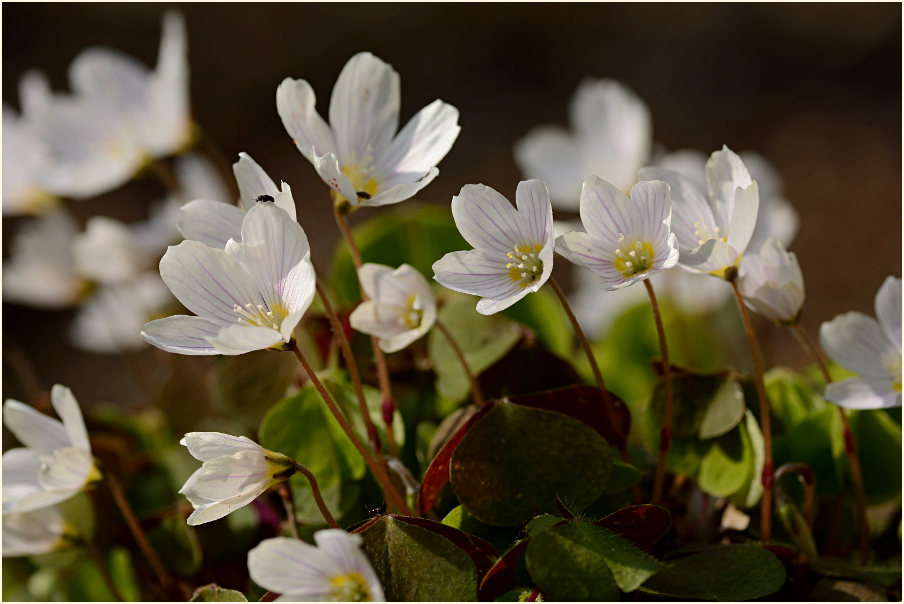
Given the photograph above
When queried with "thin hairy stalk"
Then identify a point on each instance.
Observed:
(809, 480)
(388, 402)
(608, 404)
(123, 504)
(765, 421)
(665, 436)
(377, 468)
(849, 444)
(318, 498)
(104, 571)
(352, 369)
(285, 493)
(476, 393)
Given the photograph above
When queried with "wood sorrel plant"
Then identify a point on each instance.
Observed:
(367, 475)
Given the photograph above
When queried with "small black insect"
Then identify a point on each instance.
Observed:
(265, 198)
(363, 194)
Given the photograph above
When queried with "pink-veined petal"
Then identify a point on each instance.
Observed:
(606, 212)
(205, 446)
(182, 334)
(725, 174)
(486, 219)
(856, 342)
(239, 339)
(212, 223)
(689, 206)
(888, 309)
(406, 186)
(473, 272)
(295, 103)
(652, 205)
(420, 145)
(534, 213)
(364, 109)
(743, 218)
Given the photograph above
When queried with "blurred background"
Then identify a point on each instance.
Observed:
(814, 88)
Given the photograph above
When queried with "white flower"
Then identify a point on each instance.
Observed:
(626, 240)
(401, 307)
(611, 138)
(235, 471)
(714, 229)
(33, 533)
(214, 222)
(869, 347)
(111, 319)
(40, 270)
(108, 251)
(359, 155)
(247, 297)
(119, 115)
(513, 248)
(772, 283)
(55, 462)
(336, 570)
(25, 160)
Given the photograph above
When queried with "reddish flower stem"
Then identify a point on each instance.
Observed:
(666, 434)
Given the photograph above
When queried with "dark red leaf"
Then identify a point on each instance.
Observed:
(501, 577)
(642, 525)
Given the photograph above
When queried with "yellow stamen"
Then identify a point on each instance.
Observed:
(633, 257)
(525, 267)
(351, 587)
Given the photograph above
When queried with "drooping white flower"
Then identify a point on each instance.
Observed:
(40, 270)
(713, 229)
(611, 137)
(513, 248)
(235, 471)
(214, 222)
(56, 461)
(771, 282)
(33, 533)
(359, 155)
(401, 306)
(626, 240)
(869, 347)
(336, 570)
(247, 297)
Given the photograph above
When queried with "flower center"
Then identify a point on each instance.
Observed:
(704, 232)
(633, 257)
(413, 314)
(364, 184)
(525, 266)
(350, 587)
(260, 315)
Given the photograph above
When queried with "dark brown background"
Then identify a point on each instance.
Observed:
(816, 88)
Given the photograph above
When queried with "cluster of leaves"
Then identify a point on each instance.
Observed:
(522, 498)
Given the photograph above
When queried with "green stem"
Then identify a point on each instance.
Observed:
(666, 433)
(476, 393)
(377, 468)
(766, 478)
(849, 443)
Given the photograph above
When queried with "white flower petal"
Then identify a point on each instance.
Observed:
(285, 565)
(856, 342)
(67, 408)
(534, 213)
(34, 429)
(364, 109)
(888, 309)
(725, 174)
(743, 217)
(231, 475)
(212, 223)
(585, 250)
(421, 144)
(207, 281)
(254, 182)
(606, 212)
(473, 272)
(486, 219)
(402, 191)
(66, 471)
(108, 251)
(167, 123)
(182, 334)
(652, 209)
(864, 393)
(689, 205)
(205, 446)
(550, 154)
(239, 339)
(32, 533)
(614, 128)
(295, 103)
(20, 475)
(327, 168)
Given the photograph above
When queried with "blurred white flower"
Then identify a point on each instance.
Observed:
(771, 282)
(32, 533)
(25, 161)
(336, 570)
(869, 347)
(56, 461)
(119, 115)
(401, 307)
(249, 296)
(713, 229)
(359, 155)
(513, 248)
(626, 239)
(611, 138)
(235, 471)
(214, 222)
(40, 270)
